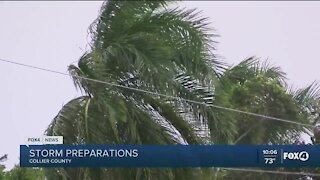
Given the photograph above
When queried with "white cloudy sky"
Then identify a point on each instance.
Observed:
(54, 34)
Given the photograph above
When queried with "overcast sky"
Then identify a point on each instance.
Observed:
(54, 34)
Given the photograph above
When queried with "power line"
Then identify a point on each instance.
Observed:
(272, 172)
(161, 95)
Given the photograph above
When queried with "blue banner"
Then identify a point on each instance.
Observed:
(169, 156)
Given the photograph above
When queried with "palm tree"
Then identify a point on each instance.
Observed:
(309, 99)
(145, 45)
(257, 87)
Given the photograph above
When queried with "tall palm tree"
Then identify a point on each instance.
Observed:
(145, 45)
(149, 46)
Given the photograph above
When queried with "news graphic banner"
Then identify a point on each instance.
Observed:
(60, 155)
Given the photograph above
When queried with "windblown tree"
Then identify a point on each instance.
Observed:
(257, 87)
(148, 46)
(309, 101)
(145, 45)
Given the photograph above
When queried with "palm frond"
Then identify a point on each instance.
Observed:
(69, 122)
(307, 94)
(251, 67)
(3, 158)
(182, 127)
(109, 26)
(158, 42)
(308, 99)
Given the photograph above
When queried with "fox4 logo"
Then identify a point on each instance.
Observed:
(302, 156)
